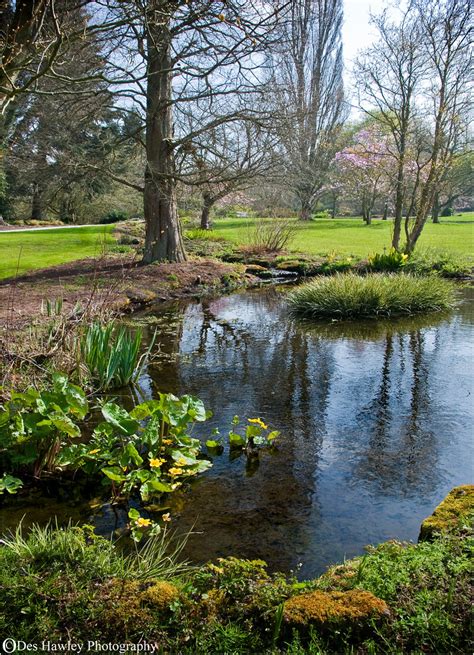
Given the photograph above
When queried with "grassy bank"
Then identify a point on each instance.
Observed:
(25, 251)
(348, 295)
(70, 585)
(350, 236)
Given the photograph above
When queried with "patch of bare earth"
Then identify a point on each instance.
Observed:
(120, 282)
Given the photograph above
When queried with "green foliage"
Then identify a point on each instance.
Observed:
(9, 484)
(204, 235)
(352, 296)
(152, 459)
(446, 264)
(333, 263)
(35, 425)
(427, 587)
(256, 434)
(393, 260)
(114, 216)
(111, 355)
(324, 214)
(70, 583)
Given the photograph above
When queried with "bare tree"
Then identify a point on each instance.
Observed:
(309, 96)
(447, 28)
(414, 82)
(230, 158)
(169, 55)
(388, 76)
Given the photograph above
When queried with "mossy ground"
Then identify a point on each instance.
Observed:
(455, 511)
(398, 598)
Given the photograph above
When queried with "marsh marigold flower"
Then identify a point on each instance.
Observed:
(143, 523)
(175, 471)
(156, 462)
(258, 421)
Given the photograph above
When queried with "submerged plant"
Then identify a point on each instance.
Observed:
(111, 355)
(352, 296)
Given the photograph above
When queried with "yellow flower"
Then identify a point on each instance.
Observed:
(167, 442)
(404, 257)
(175, 471)
(93, 452)
(166, 517)
(181, 462)
(156, 462)
(259, 422)
(143, 523)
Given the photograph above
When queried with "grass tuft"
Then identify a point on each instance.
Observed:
(346, 296)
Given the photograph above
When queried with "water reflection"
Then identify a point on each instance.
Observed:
(375, 419)
(374, 426)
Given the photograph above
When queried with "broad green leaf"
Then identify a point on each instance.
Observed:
(120, 418)
(212, 443)
(273, 435)
(114, 473)
(236, 441)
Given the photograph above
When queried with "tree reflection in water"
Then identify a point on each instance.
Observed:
(363, 408)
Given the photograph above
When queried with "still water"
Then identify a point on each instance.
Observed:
(376, 423)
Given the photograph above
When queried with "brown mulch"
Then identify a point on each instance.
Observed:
(121, 282)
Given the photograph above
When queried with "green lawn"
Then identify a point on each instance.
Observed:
(352, 236)
(25, 251)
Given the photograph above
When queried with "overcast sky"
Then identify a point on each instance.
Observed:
(356, 31)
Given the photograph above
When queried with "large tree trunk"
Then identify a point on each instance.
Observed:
(306, 210)
(436, 209)
(206, 209)
(37, 204)
(163, 240)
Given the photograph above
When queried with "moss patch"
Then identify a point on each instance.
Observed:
(348, 609)
(449, 515)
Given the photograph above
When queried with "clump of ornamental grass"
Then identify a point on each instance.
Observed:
(347, 296)
(111, 355)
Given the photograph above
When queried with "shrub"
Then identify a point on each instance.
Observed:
(392, 260)
(114, 216)
(271, 235)
(322, 214)
(351, 296)
(446, 264)
(199, 234)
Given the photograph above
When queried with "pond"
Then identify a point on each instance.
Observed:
(375, 416)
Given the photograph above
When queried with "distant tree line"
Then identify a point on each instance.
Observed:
(114, 108)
